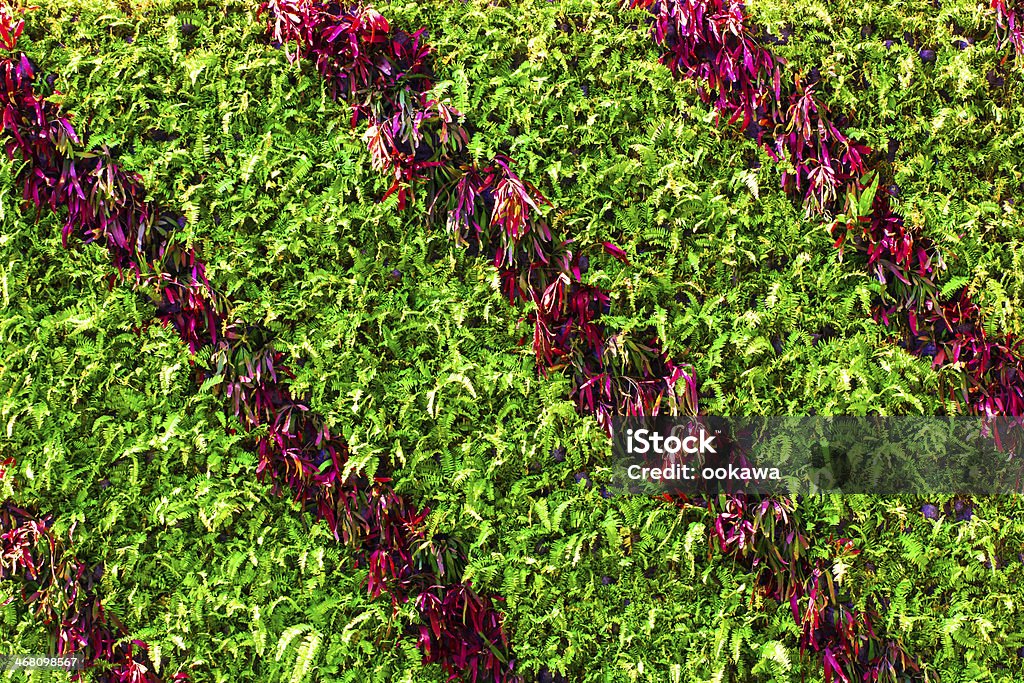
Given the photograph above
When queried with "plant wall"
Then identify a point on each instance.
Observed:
(405, 343)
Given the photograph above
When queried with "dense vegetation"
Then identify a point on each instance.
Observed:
(406, 345)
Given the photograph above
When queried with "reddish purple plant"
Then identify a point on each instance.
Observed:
(892, 250)
(703, 40)
(412, 143)
(824, 160)
(949, 330)
(707, 40)
(461, 627)
(355, 50)
(1009, 25)
(11, 24)
(826, 166)
(991, 367)
(104, 204)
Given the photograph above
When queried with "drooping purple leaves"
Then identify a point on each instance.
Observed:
(363, 60)
(1009, 25)
(11, 24)
(463, 632)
